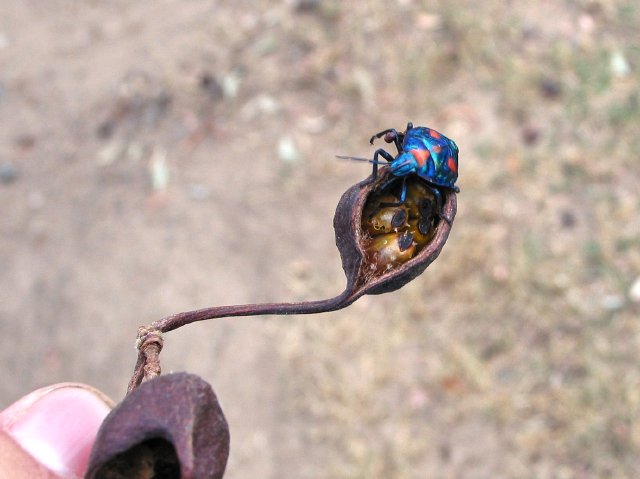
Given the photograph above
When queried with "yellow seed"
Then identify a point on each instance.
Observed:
(420, 200)
(387, 220)
(389, 250)
(422, 230)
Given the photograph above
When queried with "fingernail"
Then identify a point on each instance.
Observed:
(57, 425)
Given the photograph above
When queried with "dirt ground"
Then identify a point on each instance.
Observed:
(163, 156)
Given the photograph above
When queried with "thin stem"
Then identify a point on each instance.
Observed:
(305, 307)
(150, 337)
(149, 345)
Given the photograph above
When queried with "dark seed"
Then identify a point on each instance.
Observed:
(399, 218)
(424, 225)
(426, 208)
(405, 241)
(422, 231)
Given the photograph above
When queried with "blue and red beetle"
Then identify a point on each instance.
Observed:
(421, 151)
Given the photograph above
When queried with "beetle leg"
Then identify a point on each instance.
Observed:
(403, 192)
(393, 134)
(384, 154)
(439, 203)
(380, 134)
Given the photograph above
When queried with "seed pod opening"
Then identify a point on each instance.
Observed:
(379, 259)
(170, 426)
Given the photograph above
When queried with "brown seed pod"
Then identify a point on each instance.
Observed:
(170, 426)
(364, 275)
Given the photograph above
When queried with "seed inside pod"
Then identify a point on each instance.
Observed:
(420, 200)
(386, 219)
(396, 232)
(389, 250)
(422, 231)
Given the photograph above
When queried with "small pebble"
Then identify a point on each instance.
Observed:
(230, 84)
(158, 169)
(111, 152)
(306, 5)
(530, 135)
(288, 151)
(613, 302)
(567, 219)
(8, 173)
(105, 130)
(550, 88)
(634, 291)
(211, 86)
(261, 104)
(619, 64)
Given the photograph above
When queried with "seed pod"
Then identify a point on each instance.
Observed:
(170, 426)
(364, 275)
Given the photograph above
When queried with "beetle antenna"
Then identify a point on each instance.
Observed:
(357, 158)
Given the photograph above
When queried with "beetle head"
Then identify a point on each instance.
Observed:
(404, 164)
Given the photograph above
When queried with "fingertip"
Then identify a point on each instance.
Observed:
(57, 425)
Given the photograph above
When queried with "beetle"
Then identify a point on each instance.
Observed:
(421, 151)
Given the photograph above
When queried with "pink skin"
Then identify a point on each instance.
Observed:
(49, 433)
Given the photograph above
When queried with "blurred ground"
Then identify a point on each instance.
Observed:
(162, 156)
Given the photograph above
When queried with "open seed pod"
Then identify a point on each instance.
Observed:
(376, 264)
(169, 427)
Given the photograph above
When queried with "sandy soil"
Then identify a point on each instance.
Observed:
(163, 156)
